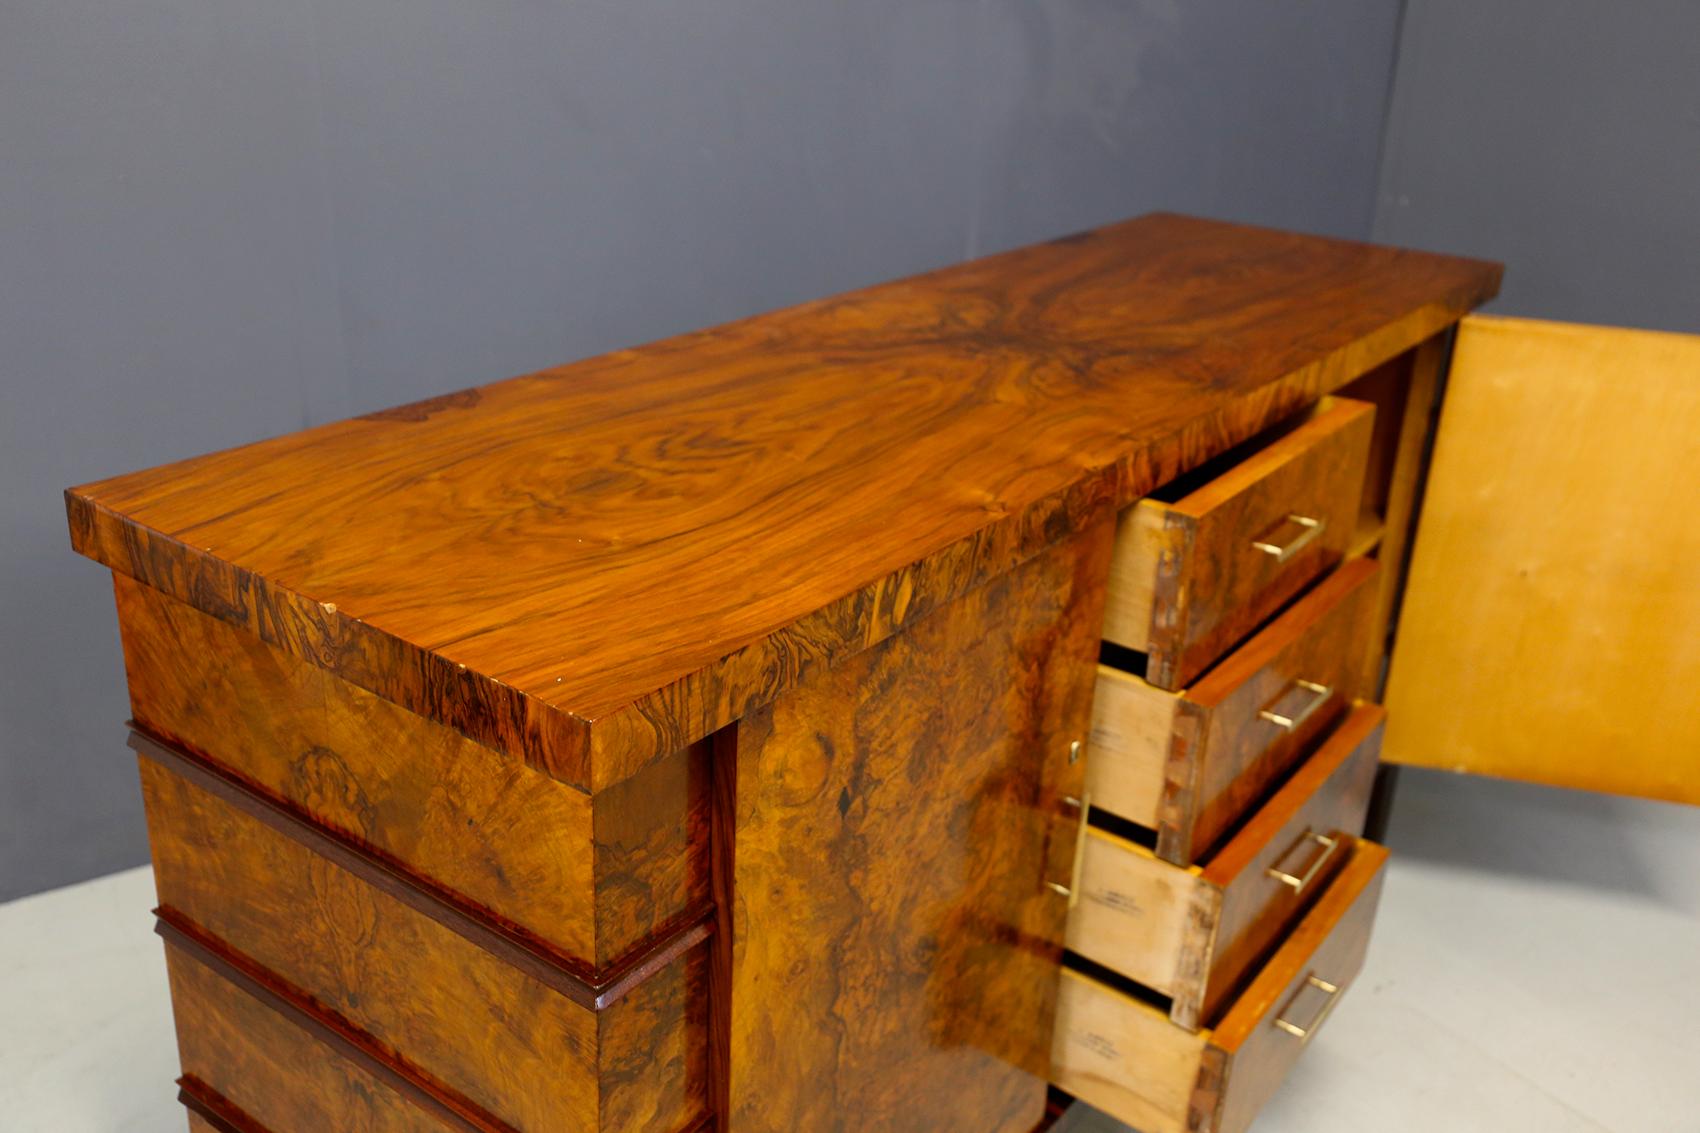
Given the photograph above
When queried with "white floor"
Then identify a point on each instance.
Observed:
(1536, 967)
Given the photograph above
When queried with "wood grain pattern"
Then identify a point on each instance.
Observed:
(1194, 934)
(1133, 727)
(273, 1070)
(1210, 583)
(486, 1031)
(1406, 394)
(208, 1112)
(1136, 911)
(897, 947)
(1126, 1058)
(1328, 795)
(1330, 943)
(1548, 628)
(594, 566)
(440, 905)
(1190, 764)
(1225, 756)
(595, 880)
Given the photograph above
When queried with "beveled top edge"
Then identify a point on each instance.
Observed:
(595, 565)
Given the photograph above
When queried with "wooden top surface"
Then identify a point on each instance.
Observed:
(594, 564)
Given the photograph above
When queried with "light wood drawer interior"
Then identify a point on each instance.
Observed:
(1125, 1057)
(1190, 764)
(1194, 934)
(500, 1032)
(1199, 565)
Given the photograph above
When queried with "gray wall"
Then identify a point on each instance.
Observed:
(224, 219)
(1561, 137)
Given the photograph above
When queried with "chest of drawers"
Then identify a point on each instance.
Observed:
(894, 712)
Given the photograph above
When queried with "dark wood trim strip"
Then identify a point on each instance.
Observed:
(214, 1108)
(722, 839)
(225, 1116)
(332, 1030)
(592, 991)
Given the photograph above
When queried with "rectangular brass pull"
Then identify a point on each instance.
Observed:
(1298, 880)
(1072, 889)
(1308, 1031)
(1310, 529)
(1319, 697)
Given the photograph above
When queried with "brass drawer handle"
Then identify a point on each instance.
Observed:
(1319, 697)
(1299, 880)
(1308, 1031)
(1072, 889)
(1284, 551)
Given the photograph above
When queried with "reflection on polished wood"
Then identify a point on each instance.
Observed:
(1126, 1057)
(1205, 569)
(1195, 934)
(697, 734)
(481, 1028)
(462, 817)
(596, 565)
(897, 945)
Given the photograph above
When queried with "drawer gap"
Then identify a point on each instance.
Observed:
(1255, 807)
(1199, 475)
(1121, 657)
(1133, 989)
(1142, 836)
(1136, 663)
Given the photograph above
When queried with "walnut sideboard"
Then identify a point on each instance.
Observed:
(912, 710)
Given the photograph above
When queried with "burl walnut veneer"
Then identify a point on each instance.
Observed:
(697, 736)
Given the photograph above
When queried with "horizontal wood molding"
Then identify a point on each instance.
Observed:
(223, 1116)
(592, 566)
(595, 991)
(347, 1041)
(214, 1108)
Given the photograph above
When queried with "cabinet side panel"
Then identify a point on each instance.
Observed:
(897, 949)
(273, 1071)
(465, 817)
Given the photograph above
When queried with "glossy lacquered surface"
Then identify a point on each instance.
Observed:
(901, 823)
(1195, 934)
(593, 566)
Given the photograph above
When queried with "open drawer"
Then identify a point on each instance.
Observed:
(1125, 1057)
(1201, 563)
(1190, 764)
(1195, 934)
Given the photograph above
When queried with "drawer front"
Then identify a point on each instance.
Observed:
(1189, 764)
(1127, 1058)
(595, 880)
(1194, 934)
(1242, 726)
(1193, 576)
(1272, 1022)
(1278, 863)
(511, 1045)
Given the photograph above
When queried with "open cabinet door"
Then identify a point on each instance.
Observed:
(1550, 627)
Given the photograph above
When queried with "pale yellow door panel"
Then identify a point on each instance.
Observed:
(1550, 629)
